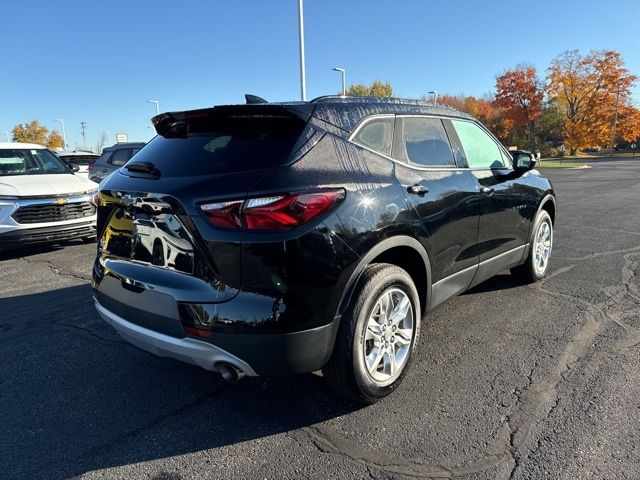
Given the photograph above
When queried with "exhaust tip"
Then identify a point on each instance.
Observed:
(230, 373)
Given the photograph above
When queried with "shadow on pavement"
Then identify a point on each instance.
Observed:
(499, 282)
(76, 398)
(34, 250)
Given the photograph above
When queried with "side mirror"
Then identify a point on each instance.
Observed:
(523, 160)
(75, 168)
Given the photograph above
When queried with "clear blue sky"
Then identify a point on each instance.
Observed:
(100, 61)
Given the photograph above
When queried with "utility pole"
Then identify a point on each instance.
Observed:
(303, 80)
(615, 119)
(83, 126)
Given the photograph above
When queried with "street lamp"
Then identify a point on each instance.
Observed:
(435, 96)
(303, 80)
(157, 105)
(6, 133)
(64, 135)
(344, 74)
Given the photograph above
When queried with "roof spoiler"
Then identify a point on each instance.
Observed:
(177, 124)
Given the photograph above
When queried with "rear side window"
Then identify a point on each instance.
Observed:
(480, 149)
(120, 157)
(376, 134)
(233, 145)
(425, 142)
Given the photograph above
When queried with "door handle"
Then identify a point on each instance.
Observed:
(417, 190)
(487, 190)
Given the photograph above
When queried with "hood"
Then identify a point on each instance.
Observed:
(43, 185)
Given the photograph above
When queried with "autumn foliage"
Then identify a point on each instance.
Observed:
(520, 94)
(587, 89)
(34, 132)
(575, 107)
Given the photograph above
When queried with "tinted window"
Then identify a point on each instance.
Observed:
(30, 162)
(377, 135)
(104, 158)
(232, 145)
(79, 159)
(120, 157)
(426, 143)
(481, 150)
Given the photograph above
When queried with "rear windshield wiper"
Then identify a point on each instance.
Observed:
(144, 167)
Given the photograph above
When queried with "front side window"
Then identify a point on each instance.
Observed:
(480, 149)
(376, 134)
(30, 162)
(426, 143)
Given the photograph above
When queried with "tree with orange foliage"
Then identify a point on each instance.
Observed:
(585, 88)
(484, 109)
(520, 94)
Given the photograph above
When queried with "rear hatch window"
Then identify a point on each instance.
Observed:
(80, 160)
(223, 143)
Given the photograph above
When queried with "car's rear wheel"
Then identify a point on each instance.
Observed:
(377, 334)
(537, 263)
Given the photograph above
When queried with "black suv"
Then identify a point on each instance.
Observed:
(113, 158)
(279, 238)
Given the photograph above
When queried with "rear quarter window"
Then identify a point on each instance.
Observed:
(376, 134)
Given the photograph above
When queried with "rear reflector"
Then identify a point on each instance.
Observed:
(281, 212)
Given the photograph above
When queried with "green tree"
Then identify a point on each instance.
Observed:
(377, 89)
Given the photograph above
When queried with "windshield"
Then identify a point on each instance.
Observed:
(30, 162)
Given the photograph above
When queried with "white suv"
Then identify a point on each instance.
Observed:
(41, 200)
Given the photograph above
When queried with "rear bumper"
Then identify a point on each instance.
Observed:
(60, 233)
(187, 350)
(254, 354)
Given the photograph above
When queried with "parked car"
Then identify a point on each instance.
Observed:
(41, 200)
(318, 234)
(83, 160)
(113, 158)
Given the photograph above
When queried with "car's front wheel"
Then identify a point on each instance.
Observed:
(537, 263)
(377, 335)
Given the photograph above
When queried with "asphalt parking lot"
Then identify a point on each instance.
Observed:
(508, 381)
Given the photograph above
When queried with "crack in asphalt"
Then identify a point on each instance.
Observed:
(326, 440)
(56, 269)
(543, 397)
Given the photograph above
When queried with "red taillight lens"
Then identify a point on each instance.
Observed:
(90, 167)
(223, 214)
(282, 212)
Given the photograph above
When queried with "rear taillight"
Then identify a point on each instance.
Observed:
(90, 167)
(278, 212)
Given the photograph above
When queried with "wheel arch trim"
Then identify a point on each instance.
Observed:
(380, 248)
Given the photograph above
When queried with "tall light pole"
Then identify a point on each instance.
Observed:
(344, 82)
(83, 128)
(6, 133)
(157, 105)
(64, 135)
(303, 80)
(435, 96)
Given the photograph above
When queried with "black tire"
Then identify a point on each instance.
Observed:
(346, 371)
(527, 272)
